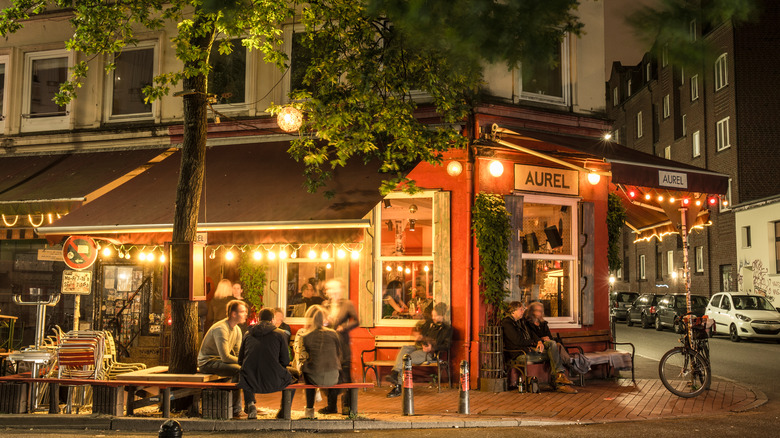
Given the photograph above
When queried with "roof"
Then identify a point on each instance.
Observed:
(246, 187)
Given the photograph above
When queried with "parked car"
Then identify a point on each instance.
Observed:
(672, 307)
(643, 310)
(744, 316)
(619, 302)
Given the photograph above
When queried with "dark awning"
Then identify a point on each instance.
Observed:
(628, 166)
(251, 187)
(58, 183)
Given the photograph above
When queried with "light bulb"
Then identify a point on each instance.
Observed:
(698, 202)
(229, 255)
(312, 254)
(162, 258)
(283, 254)
(257, 255)
(271, 255)
(355, 255)
(647, 197)
(341, 253)
(672, 199)
(496, 168)
(389, 268)
(660, 199)
(107, 252)
(328, 266)
(594, 178)
(408, 271)
(611, 279)
(213, 255)
(142, 256)
(607, 136)
(426, 268)
(325, 255)
(400, 268)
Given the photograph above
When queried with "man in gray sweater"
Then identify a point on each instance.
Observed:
(219, 351)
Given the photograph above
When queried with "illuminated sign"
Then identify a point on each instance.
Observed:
(546, 180)
(676, 180)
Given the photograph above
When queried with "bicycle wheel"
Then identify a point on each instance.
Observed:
(685, 373)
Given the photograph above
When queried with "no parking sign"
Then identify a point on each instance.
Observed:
(79, 252)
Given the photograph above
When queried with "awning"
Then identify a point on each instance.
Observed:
(56, 184)
(628, 166)
(253, 193)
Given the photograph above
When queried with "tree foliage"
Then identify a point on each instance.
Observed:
(616, 217)
(253, 278)
(492, 229)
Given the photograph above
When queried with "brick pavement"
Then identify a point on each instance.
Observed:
(598, 401)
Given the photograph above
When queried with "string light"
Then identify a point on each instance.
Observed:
(16, 219)
(408, 271)
(671, 199)
(229, 255)
(660, 198)
(341, 253)
(283, 254)
(647, 197)
(400, 268)
(355, 255)
(271, 255)
(632, 194)
(162, 258)
(106, 252)
(325, 255)
(328, 266)
(312, 254)
(426, 268)
(389, 268)
(257, 255)
(142, 256)
(213, 254)
(29, 218)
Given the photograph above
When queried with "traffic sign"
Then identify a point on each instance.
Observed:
(79, 252)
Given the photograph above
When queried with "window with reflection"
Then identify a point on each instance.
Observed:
(305, 283)
(46, 76)
(227, 79)
(547, 229)
(134, 71)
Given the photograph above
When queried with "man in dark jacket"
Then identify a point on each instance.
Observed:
(434, 336)
(516, 338)
(546, 348)
(264, 358)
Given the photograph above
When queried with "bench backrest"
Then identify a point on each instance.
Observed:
(585, 337)
(394, 341)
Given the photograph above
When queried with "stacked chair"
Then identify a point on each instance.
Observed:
(80, 355)
(112, 367)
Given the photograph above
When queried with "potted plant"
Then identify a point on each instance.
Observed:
(252, 275)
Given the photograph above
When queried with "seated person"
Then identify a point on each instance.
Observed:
(516, 338)
(221, 344)
(264, 357)
(310, 298)
(434, 336)
(544, 348)
(321, 363)
(279, 321)
(392, 303)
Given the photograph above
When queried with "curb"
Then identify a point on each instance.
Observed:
(760, 400)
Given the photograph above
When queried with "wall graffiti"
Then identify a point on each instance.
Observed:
(754, 278)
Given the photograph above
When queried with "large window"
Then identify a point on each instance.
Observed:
(300, 59)
(43, 74)
(227, 79)
(304, 281)
(404, 244)
(540, 80)
(722, 134)
(721, 72)
(134, 71)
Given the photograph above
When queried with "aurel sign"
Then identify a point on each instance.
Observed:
(675, 180)
(546, 179)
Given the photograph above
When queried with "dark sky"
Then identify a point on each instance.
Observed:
(620, 43)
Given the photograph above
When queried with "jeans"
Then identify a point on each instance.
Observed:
(552, 354)
(228, 370)
(418, 356)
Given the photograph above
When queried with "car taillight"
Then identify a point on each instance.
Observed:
(616, 304)
(652, 309)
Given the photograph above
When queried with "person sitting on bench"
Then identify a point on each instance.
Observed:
(434, 336)
(516, 338)
(322, 358)
(264, 358)
(219, 351)
(545, 348)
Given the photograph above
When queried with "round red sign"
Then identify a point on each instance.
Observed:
(79, 252)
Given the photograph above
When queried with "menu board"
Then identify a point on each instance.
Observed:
(76, 282)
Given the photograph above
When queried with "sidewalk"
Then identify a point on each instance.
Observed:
(599, 401)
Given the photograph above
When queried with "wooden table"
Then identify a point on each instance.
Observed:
(160, 374)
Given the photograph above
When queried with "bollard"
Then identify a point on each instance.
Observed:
(170, 429)
(408, 389)
(463, 404)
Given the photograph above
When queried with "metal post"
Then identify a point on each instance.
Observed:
(287, 397)
(463, 404)
(408, 389)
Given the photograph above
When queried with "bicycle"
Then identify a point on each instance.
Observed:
(685, 371)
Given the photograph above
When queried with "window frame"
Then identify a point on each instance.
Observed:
(54, 123)
(684, 122)
(154, 113)
(721, 72)
(649, 71)
(250, 83)
(668, 152)
(724, 208)
(281, 281)
(5, 60)
(628, 88)
(696, 144)
(694, 88)
(669, 262)
(642, 267)
(746, 237)
(379, 259)
(565, 99)
(699, 258)
(692, 30)
(723, 141)
(615, 96)
(639, 123)
(667, 107)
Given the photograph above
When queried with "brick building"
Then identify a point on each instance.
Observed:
(719, 117)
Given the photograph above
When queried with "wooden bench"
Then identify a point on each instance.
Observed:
(440, 360)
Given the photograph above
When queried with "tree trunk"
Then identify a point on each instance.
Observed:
(184, 313)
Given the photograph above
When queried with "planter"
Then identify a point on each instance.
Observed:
(491, 359)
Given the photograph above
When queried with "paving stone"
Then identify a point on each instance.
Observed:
(322, 425)
(381, 425)
(262, 424)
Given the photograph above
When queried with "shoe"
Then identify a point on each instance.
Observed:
(308, 413)
(561, 379)
(326, 410)
(251, 411)
(395, 392)
(392, 377)
(279, 415)
(240, 415)
(566, 389)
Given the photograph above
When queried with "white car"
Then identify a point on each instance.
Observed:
(744, 316)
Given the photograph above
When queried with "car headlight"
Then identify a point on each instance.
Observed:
(742, 317)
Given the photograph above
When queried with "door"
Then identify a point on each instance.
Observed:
(722, 316)
(666, 310)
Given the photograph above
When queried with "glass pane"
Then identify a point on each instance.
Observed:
(547, 281)
(305, 285)
(134, 71)
(407, 289)
(47, 75)
(2, 88)
(407, 227)
(228, 74)
(300, 59)
(547, 229)
(539, 77)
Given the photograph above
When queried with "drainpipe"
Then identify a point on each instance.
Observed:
(470, 188)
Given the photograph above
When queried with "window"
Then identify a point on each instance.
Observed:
(304, 281)
(43, 74)
(134, 71)
(746, 237)
(639, 124)
(725, 279)
(227, 79)
(3, 103)
(405, 263)
(694, 87)
(696, 144)
(649, 71)
(642, 264)
(615, 96)
(777, 247)
(725, 303)
(628, 88)
(692, 30)
(542, 82)
(670, 262)
(722, 134)
(721, 72)
(665, 55)
(668, 152)
(725, 204)
(667, 107)
(300, 60)
(699, 258)
(682, 76)
(684, 125)
(616, 136)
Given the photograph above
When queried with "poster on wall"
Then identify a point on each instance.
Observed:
(76, 282)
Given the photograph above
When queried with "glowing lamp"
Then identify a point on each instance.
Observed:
(328, 266)
(257, 255)
(283, 254)
(162, 258)
(647, 197)
(389, 268)
(271, 255)
(632, 194)
(712, 200)
(594, 178)
(341, 253)
(686, 201)
(426, 268)
(496, 168)
(608, 136)
(672, 199)
(289, 119)
(312, 254)
(674, 274)
(142, 256)
(355, 255)
(106, 252)
(325, 255)
(229, 255)
(698, 202)
(400, 268)
(725, 203)
(408, 271)
(612, 279)
(454, 168)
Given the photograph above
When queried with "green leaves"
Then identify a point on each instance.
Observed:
(253, 277)
(492, 229)
(616, 218)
